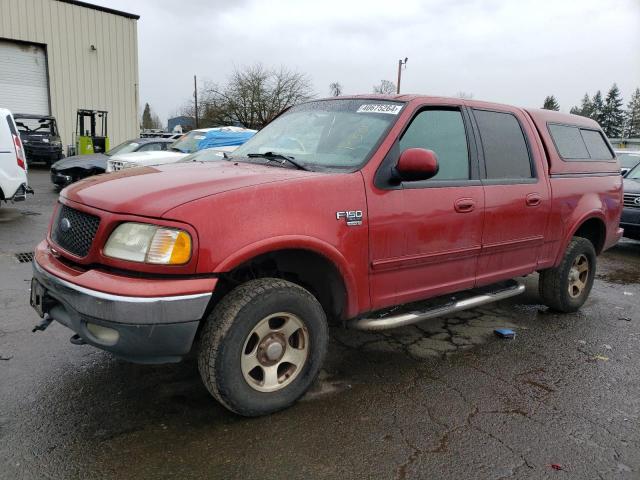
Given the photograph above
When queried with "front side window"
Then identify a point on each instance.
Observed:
(326, 134)
(506, 154)
(443, 132)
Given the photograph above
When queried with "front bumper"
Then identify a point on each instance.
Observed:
(138, 329)
(630, 221)
(61, 179)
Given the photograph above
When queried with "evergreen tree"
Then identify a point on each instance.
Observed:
(632, 120)
(550, 103)
(597, 108)
(585, 109)
(147, 120)
(612, 113)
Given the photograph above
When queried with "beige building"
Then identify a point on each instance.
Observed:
(57, 56)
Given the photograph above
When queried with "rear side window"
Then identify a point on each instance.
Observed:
(575, 143)
(568, 142)
(596, 145)
(443, 132)
(505, 149)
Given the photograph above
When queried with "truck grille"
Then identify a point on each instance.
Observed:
(117, 165)
(632, 200)
(74, 230)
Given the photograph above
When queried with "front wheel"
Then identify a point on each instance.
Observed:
(262, 346)
(566, 287)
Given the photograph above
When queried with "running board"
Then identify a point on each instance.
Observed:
(400, 320)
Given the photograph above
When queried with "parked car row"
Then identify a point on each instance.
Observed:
(72, 169)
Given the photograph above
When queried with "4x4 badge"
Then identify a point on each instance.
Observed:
(352, 217)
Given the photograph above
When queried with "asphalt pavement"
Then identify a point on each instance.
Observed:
(443, 399)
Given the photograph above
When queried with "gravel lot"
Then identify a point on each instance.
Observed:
(444, 399)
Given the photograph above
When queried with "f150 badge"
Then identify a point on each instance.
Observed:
(352, 217)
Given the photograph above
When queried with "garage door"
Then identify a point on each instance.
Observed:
(23, 78)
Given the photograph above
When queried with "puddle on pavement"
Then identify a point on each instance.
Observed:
(622, 276)
(433, 338)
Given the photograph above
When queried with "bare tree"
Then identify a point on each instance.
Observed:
(253, 96)
(335, 89)
(464, 95)
(385, 87)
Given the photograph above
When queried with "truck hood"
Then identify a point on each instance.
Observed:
(631, 185)
(150, 158)
(152, 191)
(88, 162)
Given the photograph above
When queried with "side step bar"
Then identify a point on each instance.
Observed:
(410, 318)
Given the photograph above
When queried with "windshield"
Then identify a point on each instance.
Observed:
(628, 160)
(33, 126)
(206, 155)
(634, 174)
(327, 134)
(189, 142)
(125, 147)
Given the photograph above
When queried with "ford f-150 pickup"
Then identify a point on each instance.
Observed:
(347, 210)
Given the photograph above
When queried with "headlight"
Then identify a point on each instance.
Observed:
(143, 242)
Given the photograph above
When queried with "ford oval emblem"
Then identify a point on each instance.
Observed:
(65, 224)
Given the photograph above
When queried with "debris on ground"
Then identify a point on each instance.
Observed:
(556, 466)
(601, 357)
(625, 319)
(505, 333)
(628, 293)
(3, 357)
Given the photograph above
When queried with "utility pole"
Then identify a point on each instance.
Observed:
(400, 64)
(195, 97)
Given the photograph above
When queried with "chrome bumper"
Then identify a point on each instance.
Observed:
(138, 329)
(123, 309)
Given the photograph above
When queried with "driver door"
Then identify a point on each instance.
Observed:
(426, 236)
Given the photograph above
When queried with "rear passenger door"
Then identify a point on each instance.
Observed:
(517, 197)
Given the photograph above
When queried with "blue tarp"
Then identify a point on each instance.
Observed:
(224, 138)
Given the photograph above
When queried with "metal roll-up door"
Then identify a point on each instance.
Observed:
(23, 78)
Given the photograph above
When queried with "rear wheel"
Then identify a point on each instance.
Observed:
(262, 346)
(566, 287)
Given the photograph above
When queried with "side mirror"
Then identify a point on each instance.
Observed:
(417, 164)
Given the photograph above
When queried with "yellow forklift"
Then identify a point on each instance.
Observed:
(91, 132)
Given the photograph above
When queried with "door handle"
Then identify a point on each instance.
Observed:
(533, 200)
(465, 205)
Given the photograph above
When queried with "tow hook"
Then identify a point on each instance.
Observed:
(42, 326)
(77, 340)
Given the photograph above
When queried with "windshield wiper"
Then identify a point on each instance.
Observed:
(278, 156)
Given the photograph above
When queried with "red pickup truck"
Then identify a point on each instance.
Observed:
(338, 210)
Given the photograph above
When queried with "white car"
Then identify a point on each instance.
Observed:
(13, 163)
(182, 147)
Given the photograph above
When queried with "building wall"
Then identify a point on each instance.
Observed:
(104, 79)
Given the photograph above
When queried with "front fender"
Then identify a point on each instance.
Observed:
(298, 242)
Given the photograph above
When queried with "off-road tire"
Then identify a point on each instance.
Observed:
(553, 285)
(225, 332)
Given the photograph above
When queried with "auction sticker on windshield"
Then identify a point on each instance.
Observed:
(380, 108)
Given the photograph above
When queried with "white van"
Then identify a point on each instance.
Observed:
(13, 164)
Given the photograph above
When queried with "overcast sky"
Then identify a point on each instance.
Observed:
(515, 51)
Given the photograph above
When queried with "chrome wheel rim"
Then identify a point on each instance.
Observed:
(275, 352)
(578, 276)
